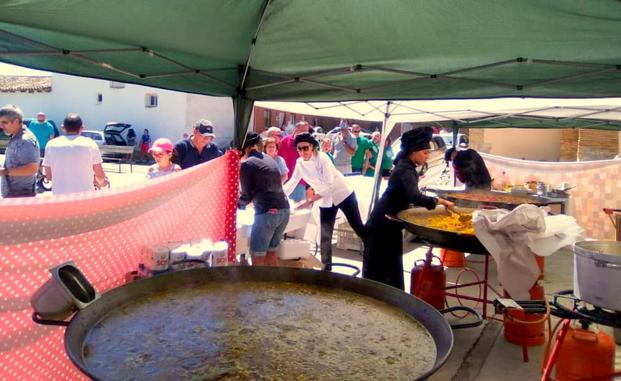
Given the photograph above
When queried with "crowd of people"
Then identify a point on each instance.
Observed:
(273, 170)
(74, 162)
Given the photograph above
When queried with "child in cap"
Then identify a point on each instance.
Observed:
(161, 151)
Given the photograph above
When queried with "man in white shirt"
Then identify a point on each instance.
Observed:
(72, 161)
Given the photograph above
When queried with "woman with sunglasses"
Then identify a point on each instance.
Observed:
(330, 190)
(161, 151)
(383, 249)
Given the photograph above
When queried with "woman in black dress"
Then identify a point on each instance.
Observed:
(383, 249)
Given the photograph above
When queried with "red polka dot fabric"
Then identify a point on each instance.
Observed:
(102, 233)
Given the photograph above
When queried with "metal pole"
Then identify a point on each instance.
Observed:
(387, 126)
(455, 133)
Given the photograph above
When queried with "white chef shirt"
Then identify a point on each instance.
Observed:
(323, 177)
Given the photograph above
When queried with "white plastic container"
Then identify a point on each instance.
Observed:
(220, 254)
(293, 249)
(156, 258)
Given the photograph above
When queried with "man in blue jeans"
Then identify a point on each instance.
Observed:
(261, 184)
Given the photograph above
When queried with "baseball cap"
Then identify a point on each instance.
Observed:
(205, 127)
(162, 145)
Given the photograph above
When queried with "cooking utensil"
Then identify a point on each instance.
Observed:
(441, 238)
(477, 198)
(461, 217)
(93, 315)
(597, 273)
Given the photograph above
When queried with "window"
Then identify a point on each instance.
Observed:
(150, 100)
(117, 85)
(99, 98)
(267, 120)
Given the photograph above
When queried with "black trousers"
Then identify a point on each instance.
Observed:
(327, 217)
(383, 253)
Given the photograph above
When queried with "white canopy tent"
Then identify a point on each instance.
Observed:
(604, 113)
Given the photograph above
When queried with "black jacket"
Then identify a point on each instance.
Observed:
(261, 183)
(402, 191)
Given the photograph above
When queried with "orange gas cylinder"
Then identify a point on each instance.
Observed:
(520, 333)
(585, 354)
(428, 282)
(452, 258)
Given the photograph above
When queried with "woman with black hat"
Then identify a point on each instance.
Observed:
(261, 184)
(330, 190)
(383, 249)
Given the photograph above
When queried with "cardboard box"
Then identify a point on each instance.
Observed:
(293, 249)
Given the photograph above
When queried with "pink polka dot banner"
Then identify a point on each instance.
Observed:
(102, 233)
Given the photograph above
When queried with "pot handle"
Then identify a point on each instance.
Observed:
(37, 319)
(476, 323)
(604, 264)
(355, 268)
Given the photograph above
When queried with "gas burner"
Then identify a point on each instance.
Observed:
(567, 306)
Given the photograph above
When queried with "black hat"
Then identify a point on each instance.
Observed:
(308, 138)
(252, 138)
(205, 127)
(417, 139)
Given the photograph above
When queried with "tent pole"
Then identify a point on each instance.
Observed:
(455, 134)
(387, 126)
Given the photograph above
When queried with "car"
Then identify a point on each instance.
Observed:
(462, 140)
(119, 134)
(97, 136)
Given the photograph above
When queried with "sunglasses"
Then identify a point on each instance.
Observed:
(356, 131)
(303, 148)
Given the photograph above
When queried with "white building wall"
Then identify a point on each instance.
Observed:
(523, 143)
(175, 113)
(218, 110)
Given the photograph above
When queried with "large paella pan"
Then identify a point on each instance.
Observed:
(239, 323)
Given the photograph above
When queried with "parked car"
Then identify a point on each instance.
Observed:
(97, 136)
(119, 134)
(462, 140)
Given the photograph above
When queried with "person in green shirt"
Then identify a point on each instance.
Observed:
(371, 157)
(362, 146)
(42, 130)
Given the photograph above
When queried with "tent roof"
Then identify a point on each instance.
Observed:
(326, 49)
(480, 113)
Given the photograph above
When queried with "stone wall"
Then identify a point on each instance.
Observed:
(569, 144)
(597, 144)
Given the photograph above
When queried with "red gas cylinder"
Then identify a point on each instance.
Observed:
(519, 327)
(585, 354)
(428, 282)
(452, 258)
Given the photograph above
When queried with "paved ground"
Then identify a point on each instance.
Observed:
(481, 353)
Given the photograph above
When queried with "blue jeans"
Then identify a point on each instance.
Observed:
(267, 231)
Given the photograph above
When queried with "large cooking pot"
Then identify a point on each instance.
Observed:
(597, 273)
(413, 220)
(98, 312)
(489, 198)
